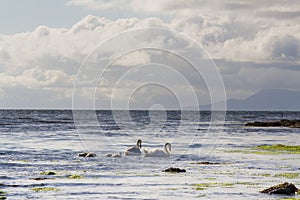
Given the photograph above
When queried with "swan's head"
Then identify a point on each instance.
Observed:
(168, 145)
(139, 144)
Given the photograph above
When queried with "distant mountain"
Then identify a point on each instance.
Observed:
(270, 99)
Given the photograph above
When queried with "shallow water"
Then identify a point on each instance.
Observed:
(33, 141)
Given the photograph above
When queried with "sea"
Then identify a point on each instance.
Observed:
(39, 154)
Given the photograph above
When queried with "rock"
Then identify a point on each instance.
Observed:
(82, 154)
(281, 123)
(284, 188)
(207, 163)
(50, 173)
(174, 170)
(87, 154)
(40, 178)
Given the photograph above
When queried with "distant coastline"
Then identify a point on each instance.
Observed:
(264, 100)
(273, 100)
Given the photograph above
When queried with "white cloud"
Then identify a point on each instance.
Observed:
(134, 58)
(90, 23)
(37, 78)
(46, 60)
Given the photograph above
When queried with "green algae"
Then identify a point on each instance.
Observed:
(285, 167)
(124, 173)
(247, 183)
(251, 151)
(262, 174)
(211, 179)
(288, 175)
(199, 188)
(276, 149)
(173, 189)
(3, 197)
(75, 176)
(203, 186)
(224, 173)
(44, 189)
(294, 198)
(280, 148)
(227, 184)
(135, 174)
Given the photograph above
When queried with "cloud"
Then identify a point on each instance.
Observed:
(37, 78)
(285, 47)
(268, 45)
(89, 23)
(132, 59)
(43, 63)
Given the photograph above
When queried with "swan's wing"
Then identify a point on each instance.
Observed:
(132, 151)
(117, 155)
(156, 153)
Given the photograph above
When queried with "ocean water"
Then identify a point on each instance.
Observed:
(35, 141)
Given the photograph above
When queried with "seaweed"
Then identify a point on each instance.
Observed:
(44, 189)
(279, 147)
(294, 198)
(202, 186)
(269, 150)
(288, 175)
(262, 174)
(75, 176)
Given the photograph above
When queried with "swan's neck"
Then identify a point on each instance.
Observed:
(167, 149)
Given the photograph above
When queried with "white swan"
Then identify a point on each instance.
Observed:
(134, 150)
(116, 155)
(108, 155)
(158, 152)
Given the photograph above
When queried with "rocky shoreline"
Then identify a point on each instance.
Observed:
(280, 123)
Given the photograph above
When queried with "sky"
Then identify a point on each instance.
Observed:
(144, 53)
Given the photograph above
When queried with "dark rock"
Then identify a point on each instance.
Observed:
(281, 123)
(207, 163)
(284, 188)
(87, 154)
(40, 179)
(82, 154)
(48, 173)
(174, 170)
